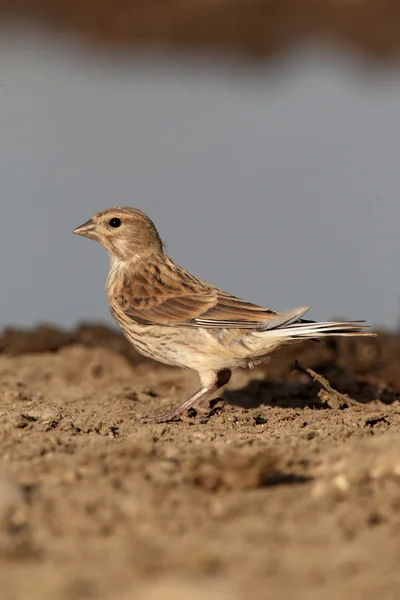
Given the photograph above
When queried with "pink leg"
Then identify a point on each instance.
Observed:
(194, 401)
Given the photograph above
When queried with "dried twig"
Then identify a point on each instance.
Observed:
(327, 394)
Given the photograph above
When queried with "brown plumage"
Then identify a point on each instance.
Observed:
(178, 319)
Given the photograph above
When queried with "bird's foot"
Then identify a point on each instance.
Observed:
(193, 402)
(213, 408)
(178, 414)
(161, 418)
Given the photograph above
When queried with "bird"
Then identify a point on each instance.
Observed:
(175, 318)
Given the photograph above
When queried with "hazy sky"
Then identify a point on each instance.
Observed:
(279, 185)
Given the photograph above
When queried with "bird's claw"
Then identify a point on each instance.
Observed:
(164, 418)
(176, 415)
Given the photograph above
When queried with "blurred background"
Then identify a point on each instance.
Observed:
(263, 138)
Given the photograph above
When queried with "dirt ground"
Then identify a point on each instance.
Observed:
(287, 490)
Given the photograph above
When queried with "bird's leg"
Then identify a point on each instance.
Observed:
(213, 385)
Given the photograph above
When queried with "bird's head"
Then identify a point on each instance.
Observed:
(126, 233)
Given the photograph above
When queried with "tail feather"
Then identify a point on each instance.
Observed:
(291, 325)
(305, 330)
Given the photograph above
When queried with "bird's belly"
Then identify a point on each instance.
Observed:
(188, 347)
(160, 343)
(163, 349)
(192, 347)
(152, 344)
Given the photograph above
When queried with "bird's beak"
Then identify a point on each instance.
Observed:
(86, 230)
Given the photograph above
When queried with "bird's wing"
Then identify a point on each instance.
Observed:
(159, 296)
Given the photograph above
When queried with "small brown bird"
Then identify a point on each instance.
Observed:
(172, 316)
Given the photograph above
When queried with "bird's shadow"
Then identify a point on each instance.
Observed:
(284, 394)
(298, 390)
(285, 479)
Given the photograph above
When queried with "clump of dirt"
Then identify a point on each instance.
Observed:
(288, 488)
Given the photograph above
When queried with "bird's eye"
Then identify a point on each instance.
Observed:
(115, 222)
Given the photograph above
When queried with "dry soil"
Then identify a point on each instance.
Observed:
(288, 489)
